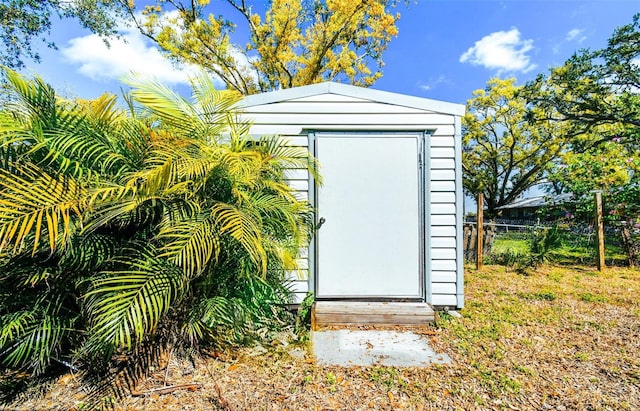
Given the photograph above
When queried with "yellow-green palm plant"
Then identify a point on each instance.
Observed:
(55, 154)
(161, 222)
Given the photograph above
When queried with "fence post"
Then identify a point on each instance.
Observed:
(599, 230)
(479, 231)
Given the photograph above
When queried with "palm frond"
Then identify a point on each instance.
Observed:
(126, 305)
(103, 111)
(243, 228)
(88, 253)
(242, 165)
(83, 137)
(133, 139)
(30, 340)
(254, 305)
(81, 150)
(137, 198)
(215, 104)
(190, 244)
(35, 96)
(24, 271)
(13, 325)
(197, 162)
(170, 107)
(218, 109)
(282, 155)
(35, 202)
(278, 210)
(205, 118)
(14, 130)
(169, 219)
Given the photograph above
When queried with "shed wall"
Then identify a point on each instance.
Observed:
(295, 118)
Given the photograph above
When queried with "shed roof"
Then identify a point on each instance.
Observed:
(347, 90)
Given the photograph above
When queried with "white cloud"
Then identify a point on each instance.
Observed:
(433, 83)
(574, 35)
(125, 55)
(502, 51)
(133, 53)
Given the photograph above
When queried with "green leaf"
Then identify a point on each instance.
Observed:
(126, 305)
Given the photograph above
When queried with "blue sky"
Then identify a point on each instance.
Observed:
(445, 49)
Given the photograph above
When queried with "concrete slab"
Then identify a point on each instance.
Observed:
(373, 347)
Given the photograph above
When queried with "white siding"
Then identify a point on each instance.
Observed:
(449, 300)
(298, 282)
(442, 238)
(299, 141)
(297, 174)
(443, 288)
(299, 185)
(296, 114)
(437, 175)
(449, 186)
(298, 179)
(443, 208)
(443, 198)
(443, 276)
(446, 231)
(443, 220)
(440, 140)
(443, 253)
(442, 163)
(352, 119)
(442, 152)
(442, 265)
(443, 242)
(327, 98)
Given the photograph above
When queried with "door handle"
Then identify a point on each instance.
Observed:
(320, 222)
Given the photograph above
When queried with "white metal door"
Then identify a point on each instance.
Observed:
(370, 242)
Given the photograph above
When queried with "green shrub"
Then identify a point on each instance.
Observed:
(543, 241)
(123, 234)
(303, 317)
(509, 257)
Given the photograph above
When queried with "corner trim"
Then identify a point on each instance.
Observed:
(459, 212)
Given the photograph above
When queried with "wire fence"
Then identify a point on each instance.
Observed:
(574, 243)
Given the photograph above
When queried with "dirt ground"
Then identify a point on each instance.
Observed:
(557, 339)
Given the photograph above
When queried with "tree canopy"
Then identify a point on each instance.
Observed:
(595, 94)
(505, 153)
(576, 128)
(594, 88)
(294, 43)
(24, 21)
(290, 43)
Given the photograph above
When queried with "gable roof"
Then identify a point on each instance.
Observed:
(347, 90)
(538, 201)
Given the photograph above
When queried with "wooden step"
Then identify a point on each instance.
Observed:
(354, 313)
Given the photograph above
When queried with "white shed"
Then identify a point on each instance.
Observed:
(391, 199)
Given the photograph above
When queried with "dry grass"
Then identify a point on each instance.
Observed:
(559, 338)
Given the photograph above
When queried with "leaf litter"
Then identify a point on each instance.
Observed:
(562, 338)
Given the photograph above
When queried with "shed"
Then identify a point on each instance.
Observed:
(391, 199)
